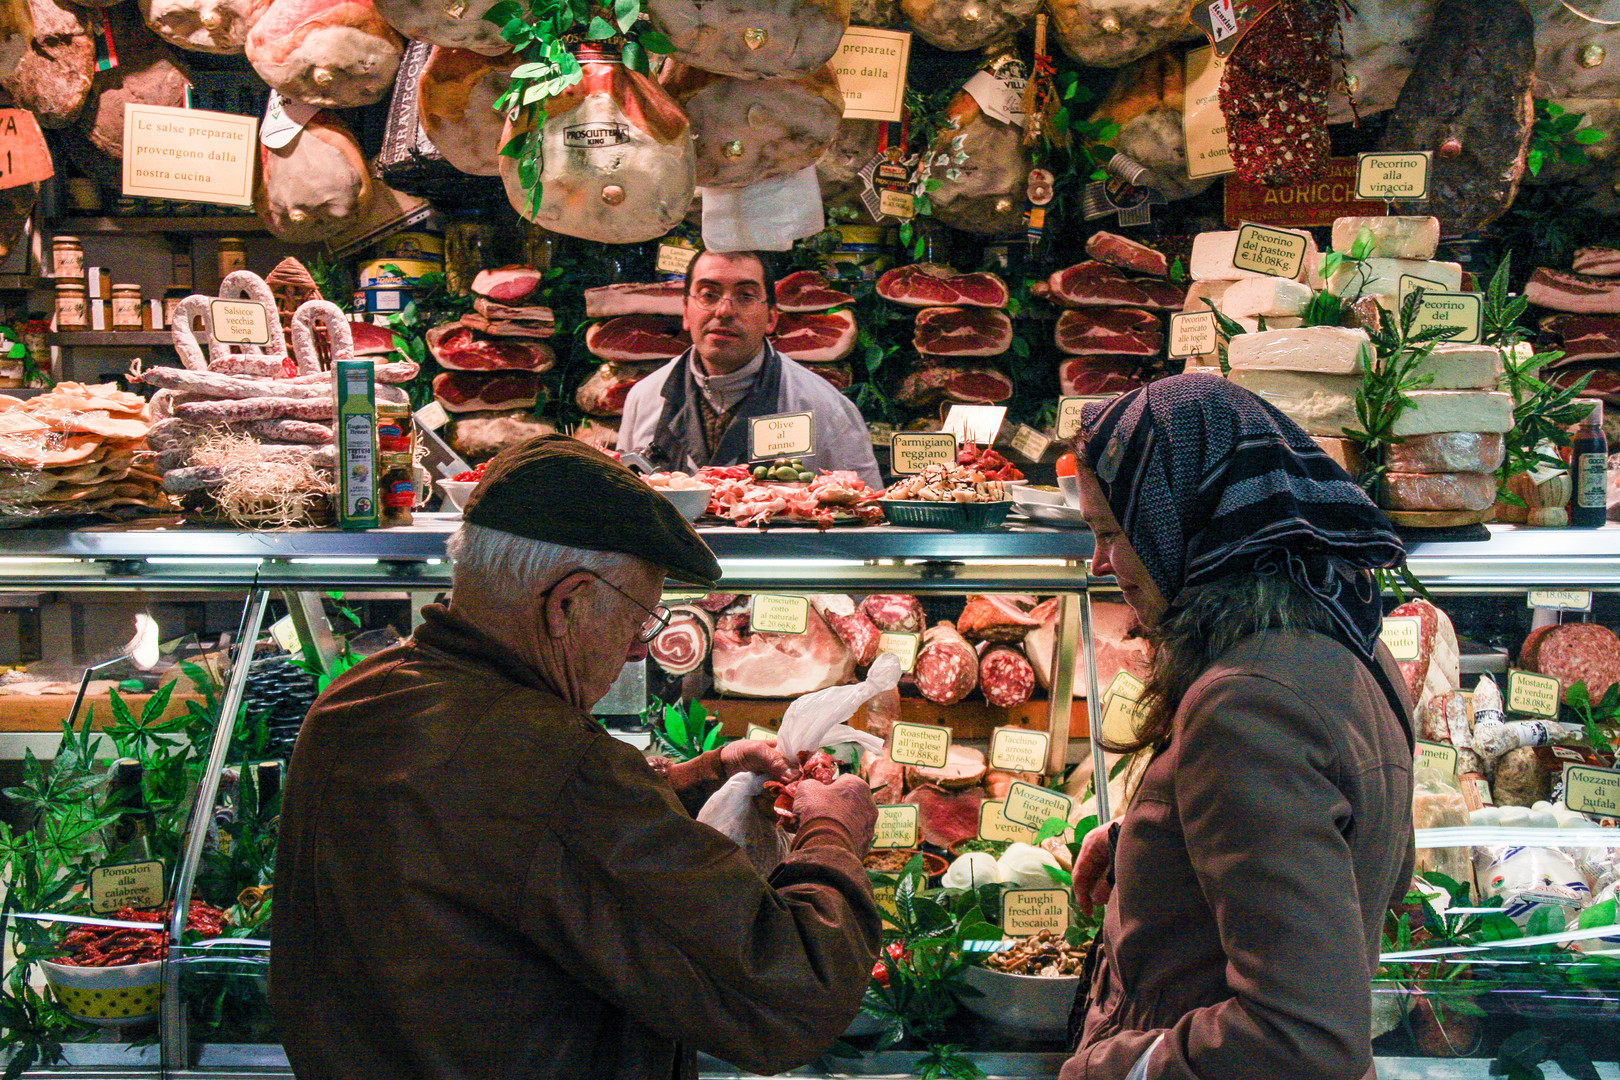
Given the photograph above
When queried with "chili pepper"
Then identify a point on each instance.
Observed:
(880, 973)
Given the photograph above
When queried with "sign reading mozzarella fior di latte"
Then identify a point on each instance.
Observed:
(1533, 695)
(1590, 790)
(1029, 911)
(1031, 805)
(913, 451)
(871, 66)
(896, 827)
(774, 614)
(781, 435)
(189, 154)
(1393, 175)
(239, 322)
(1441, 757)
(995, 825)
(920, 744)
(1193, 333)
(1276, 252)
(137, 884)
(1401, 635)
(1019, 749)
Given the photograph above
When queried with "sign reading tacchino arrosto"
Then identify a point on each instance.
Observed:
(189, 154)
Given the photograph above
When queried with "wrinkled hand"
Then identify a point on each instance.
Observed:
(847, 800)
(756, 756)
(1091, 887)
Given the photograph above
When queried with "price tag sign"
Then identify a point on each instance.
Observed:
(1121, 716)
(1441, 757)
(1193, 333)
(239, 322)
(776, 614)
(920, 744)
(1590, 790)
(1030, 443)
(1069, 415)
(759, 731)
(17, 422)
(911, 452)
(675, 259)
(283, 120)
(1402, 636)
(903, 645)
(1029, 911)
(781, 435)
(1019, 749)
(432, 417)
(24, 157)
(995, 825)
(286, 635)
(1462, 311)
(1265, 250)
(136, 884)
(1031, 805)
(1559, 599)
(896, 827)
(1390, 176)
(1533, 695)
(896, 204)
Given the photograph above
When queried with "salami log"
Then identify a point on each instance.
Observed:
(1006, 676)
(683, 645)
(947, 667)
(894, 613)
(264, 408)
(851, 625)
(291, 431)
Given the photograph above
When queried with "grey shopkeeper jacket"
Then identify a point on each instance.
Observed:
(662, 422)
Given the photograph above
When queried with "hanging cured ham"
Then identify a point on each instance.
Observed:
(458, 25)
(16, 32)
(1147, 101)
(314, 186)
(751, 130)
(980, 164)
(966, 25)
(52, 79)
(616, 158)
(337, 54)
(456, 103)
(208, 26)
(148, 73)
(1112, 33)
(752, 39)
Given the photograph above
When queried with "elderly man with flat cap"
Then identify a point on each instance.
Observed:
(475, 881)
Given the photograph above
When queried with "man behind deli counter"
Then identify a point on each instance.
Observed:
(475, 880)
(695, 410)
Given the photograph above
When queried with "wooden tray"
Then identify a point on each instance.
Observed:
(1440, 519)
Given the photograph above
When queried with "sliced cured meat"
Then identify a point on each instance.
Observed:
(752, 130)
(752, 39)
(480, 435)
(780, 665)
(455, 26)
(1006, 676)
(947, 668)
(716, 602)
(962, 331)
(965, 384)
(815, 336)
(338, 54)
(1096, 284)
(885, 776)
(926, 285)
(1585, 337)
(1127, 254)
(964, 768)
(1575, 652)
(946, 817)
(537, 314)
(1437, 669)
(1108, 332)
(997, 618)
(808, 290)
(604, 392)
(508, 284)
(838, 373)
(851, 625)
(683, 644)
(371, 339)
(634, 298)
(520, 328)
(469, 391)
(460, 348)
(637, 337)
(1113, 628)
(895, 613)
(1597, 261)
(315, 186)
(1562, 290)
(455, 101)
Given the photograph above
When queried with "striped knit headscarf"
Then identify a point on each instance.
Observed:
(1208, 480)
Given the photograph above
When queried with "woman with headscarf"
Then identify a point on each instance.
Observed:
(1252, 870)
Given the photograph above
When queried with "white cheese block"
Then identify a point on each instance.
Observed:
(1449, 451)
(1271, 297)
(1212, 256)
(1392, 237)
(1437, 491)
(1327, 350)
(1462, 367)
(1251, 324)
(1436, 411)
(1382, 277)
(1199, 291)
(1321, 404)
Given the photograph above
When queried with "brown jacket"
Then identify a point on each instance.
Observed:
(1253, 870)
(475, 881)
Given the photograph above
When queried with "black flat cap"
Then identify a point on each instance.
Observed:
(558, 489)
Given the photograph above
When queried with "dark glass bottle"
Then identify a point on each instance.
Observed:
(1588, 507)
(129, 838)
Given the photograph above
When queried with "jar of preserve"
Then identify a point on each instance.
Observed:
(67, 257)
(394, 435)
(232, 256)
(126, 307)
(72, 306)
(396, 489)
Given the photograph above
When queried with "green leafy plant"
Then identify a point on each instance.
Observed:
(1360, 249)
(1559, 137)
(686, 733)
(1589, 714)
(1389, 377)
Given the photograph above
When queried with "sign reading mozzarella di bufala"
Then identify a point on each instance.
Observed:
(189, 154)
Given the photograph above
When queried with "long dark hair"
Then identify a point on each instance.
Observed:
(1206, 622)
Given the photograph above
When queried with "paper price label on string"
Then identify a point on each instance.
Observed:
(1590, 790)
(926, 745)
(1441, 757)
(1275, 252)
(759, 731)
(1461, 311)
(1019, 749)
(781, 435)
(1031, 805)
(1029, 911)
(904, 645)
(1559, 599)
(283, 120)
(776, 614)
(1193, 333)
(239, 322)
(136, 884)
(1533, 695)
(896, 827)
(675, 259)
(1030, 443)
(896, 204)
(911, 452)
(1402, 636)
(24, 157)
(994, 824)
(1391, 176)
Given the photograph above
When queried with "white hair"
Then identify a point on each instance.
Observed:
(509, 566)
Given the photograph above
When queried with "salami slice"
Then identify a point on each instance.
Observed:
(851, 625)
(683, 645)
(895, 612)
(947, 667)
(1006, 676)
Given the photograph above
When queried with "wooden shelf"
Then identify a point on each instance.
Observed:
(224, 225)
(966, 719)
(112, 338)
(45, 712)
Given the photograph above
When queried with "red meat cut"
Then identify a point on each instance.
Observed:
(507, 283)
(946, 817)
(997, 618)
(1116, 250)
(1108, 331)
(1006, 676)
(851, 625)
(895, 613)
(1597, 262)
(637, 337)
(683, 644)
(964, 384)
(1578, 293)
(780, 665)
(926, 285)
(1099, 375)
(1585, 337)
(460, 348)
(947, 668)
(1575, 652)
(885, 776)
(837, 373)
(634, 298)
(807, 290)
(604, 392)
(815, 337)
(960, 331)
(371, 339)
(1096, 284)
(468, 391)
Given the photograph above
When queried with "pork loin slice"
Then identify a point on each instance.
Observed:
(470, 391)
(604, 392)
(338, 54)
(635, 298)
(808, 290)
(752, 39)
(815, 336)
(961, 331)
(751, 130)
(997, 618)
(315, 186)
(1096, 284)
(1108, 332)
(1090, 376)
(506, 284)
(52, 77)
(455, 101)
(207, 26)
(927, 285)
(637, 338)
(460, 348)
(946, 817)
(453, 26)
(964, 768)
(1127, 254)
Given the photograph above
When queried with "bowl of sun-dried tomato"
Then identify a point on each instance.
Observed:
(119, 996)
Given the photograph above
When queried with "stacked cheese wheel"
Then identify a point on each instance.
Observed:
(1110, 330)
(1247, 297)
(962, 322)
